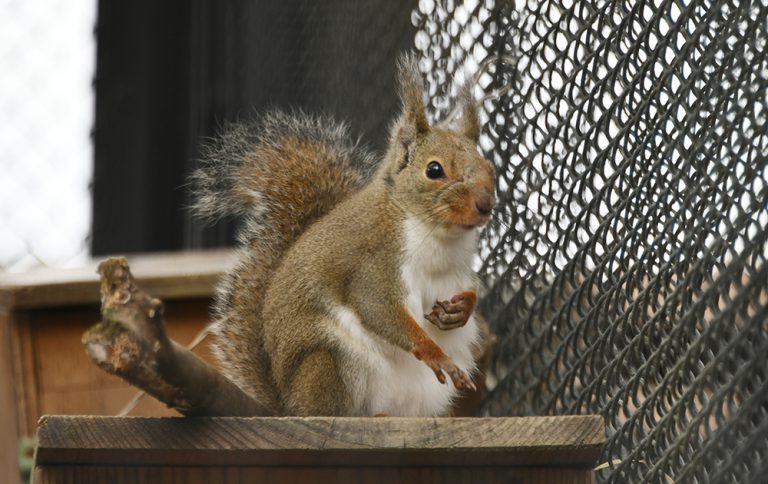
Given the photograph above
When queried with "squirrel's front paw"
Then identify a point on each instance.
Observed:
(454, 313)
(443, 365)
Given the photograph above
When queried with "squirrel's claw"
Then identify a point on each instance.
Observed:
(451, 314)
(462, 381)
(443, 366)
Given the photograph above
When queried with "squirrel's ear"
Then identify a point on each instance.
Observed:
(413, 120)
(468, 124)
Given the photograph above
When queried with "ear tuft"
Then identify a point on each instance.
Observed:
(469, 123)
(413, 120)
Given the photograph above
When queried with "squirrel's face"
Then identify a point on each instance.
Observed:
(435, 171)
(446, 183)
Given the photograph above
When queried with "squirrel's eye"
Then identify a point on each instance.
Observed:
(435, 170)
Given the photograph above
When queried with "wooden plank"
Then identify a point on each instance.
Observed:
(9, 419)
(166, 276)
(568, 440)
(313, 475)
(25, 373)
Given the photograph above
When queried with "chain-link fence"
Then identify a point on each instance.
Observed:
(626, 267)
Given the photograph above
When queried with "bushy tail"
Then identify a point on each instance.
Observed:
(279, 174)
(286, 169)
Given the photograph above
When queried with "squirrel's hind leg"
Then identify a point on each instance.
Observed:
(317, 388)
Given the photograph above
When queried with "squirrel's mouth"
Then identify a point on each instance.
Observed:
(462, 227)
(467, 220)
(474, 224)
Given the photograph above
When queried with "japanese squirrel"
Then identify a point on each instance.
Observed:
(353, 293)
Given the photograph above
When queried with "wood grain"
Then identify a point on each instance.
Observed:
(25, 373)
(312, 475)
(562, 441)
(9, 429)
(44, 370)
(166, 276)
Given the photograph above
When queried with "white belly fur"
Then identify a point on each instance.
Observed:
(393, 381)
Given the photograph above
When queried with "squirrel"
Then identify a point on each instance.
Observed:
(353, 293)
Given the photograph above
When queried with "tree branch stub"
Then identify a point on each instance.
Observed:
(131, 342)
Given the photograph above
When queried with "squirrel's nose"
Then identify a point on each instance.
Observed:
(484, 204)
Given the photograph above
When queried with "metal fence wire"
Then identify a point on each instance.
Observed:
(626, 265)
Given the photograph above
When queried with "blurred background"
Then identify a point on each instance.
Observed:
(47, 101)
(104, 115)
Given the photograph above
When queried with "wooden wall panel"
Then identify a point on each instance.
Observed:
(43, 314)
(25, 373)
(9, 428)
(69, 383)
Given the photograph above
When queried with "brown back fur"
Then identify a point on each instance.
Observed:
(280, 175)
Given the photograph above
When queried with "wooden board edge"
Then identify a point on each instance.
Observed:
(520, 441)
(166, 276)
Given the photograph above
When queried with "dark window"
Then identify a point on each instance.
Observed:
(172, 73)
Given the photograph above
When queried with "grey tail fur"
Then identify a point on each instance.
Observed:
(279, 175)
